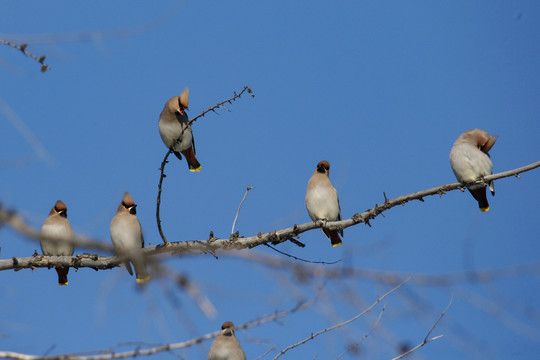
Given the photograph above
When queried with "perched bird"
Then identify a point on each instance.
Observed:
(58, 238)
(173, 124)
(225, 345)
(470, 161)
(127, 238)
(322, 200)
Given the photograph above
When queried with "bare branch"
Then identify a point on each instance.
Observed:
(22, 48)
(340, 324)
(417, 347)
(17, 223)
(389, 277)
(92, 261)
(280, 236)
(303, 260)
(239, 206)
(190, 287)
(212, 244)
(426, 340)
(439, 319)
(96, 36)
(365, 336)
(164, 162)
(157, 349)
(266, 353)
(25, 132)
(158, 201)
(220, 104)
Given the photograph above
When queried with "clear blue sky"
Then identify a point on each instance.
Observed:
(380, 89)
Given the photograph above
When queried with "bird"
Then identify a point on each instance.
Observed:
(58, 238)
(174, 124)
(322, 201)
(127, 238)
(470, 161)
(225, 346)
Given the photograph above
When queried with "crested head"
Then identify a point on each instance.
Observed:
(227, 329)
(183, 99)
(324, 163)
(227, 325)
(127, 205)
(323, 167)
(59, 208)
(127, 200)
(479, 138)
(59, 205)
(172, 105)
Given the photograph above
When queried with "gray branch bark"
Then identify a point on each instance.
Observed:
(213, 244)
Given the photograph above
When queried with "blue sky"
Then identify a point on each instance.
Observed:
(380, 89)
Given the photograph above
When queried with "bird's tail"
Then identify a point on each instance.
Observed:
(333, 235)
(480, 195)
(140, 271)
(192, 160)
(128, 267)
(62, 275)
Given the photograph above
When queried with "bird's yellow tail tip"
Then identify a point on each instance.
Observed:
(62, 284)
(337, 244)
(484, 209)
(196, 169)
(142, 281)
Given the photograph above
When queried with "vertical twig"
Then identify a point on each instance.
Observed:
(164, 162)
(426, 340)
(239, 206)
(158, 202)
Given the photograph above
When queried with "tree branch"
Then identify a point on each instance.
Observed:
(221, 104)
(426, 340)
(157, 349)
(17, 223)
(22, 48)
(355, 345)
(305, 271)
(239, 206)
(212, 244)
(340, 324)
(158, 201)
(165, 161)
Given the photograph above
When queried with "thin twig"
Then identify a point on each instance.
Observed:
(417, 347)
(266, 353)
(22, 48)
(312, 336)
(101, 35)
(190, 287)
(164, 162)
(365, 336)
(426, 340)
(158, 201)
(304, 260)
(440, 317)
(239, 206)
(25, 132)
(220, 104)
